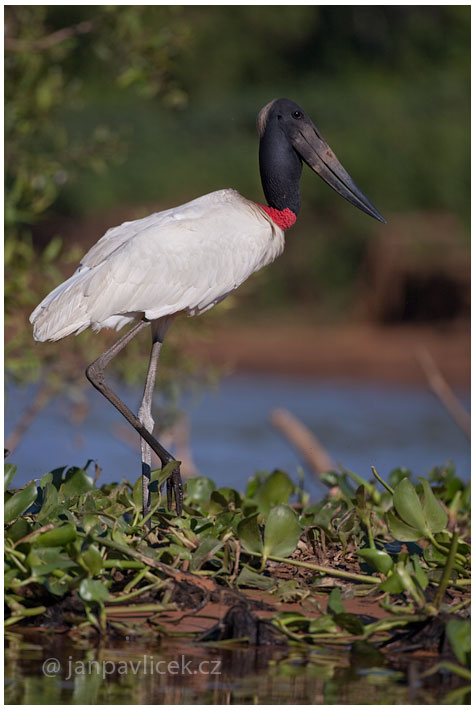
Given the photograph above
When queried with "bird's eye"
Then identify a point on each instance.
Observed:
(297, 114)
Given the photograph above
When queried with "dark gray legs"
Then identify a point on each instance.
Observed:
(144, 423)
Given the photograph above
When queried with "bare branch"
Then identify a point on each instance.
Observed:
(309, 448)
(443, 391)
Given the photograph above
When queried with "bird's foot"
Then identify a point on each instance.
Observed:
(175, 490)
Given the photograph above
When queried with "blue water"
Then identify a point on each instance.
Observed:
(360, 425)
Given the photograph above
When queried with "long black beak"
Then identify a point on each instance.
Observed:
(314, 150)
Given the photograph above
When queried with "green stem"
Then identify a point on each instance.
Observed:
(136, 579)
(380, 480)
(368, 579)
(444, 549)
(144, 608)
(137, 592)
(448, 666)
(448, 568)
(124, 564)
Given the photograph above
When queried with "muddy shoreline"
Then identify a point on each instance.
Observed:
(360, 352)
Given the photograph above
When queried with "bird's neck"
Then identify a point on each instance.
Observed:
(280, 170)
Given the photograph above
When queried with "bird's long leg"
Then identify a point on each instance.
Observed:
(145, 416)
(95, 374)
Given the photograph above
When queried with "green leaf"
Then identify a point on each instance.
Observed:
(281, 532)
(8, 474)
(58, 537)
(419, 573)
(248, 578)
(408, 506)
(218, 503)
(400, 530)
(207, 548)
(350, 623)
(160, 475)
(432, 554)
(378, 559)
(137, 494)
(19, 502)
(92, 590)
(45, 560)
(199, 490)
(92, 560)
(335, 605)
(459, 634)
(76, 482)
(323, 625)
(51, 501)
(277, 488)
(249, 534)
(19, 529)
(434, 512)
(393, 584)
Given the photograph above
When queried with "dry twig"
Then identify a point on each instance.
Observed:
(308, 446)
(443, 391)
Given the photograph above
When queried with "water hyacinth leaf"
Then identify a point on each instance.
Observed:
(420, 574)
(323, 625)
(44, 560)
(91, 559)
(435, 514)
(408, 506)
(76, 482)
(59, 589)
(459, 633)
(378, 559)
(51, 501)
(248, 578)
(350, 623)
(158, 476)
(397, 475)
(58, 537)
(432, 554)
(335, 605)
(18, 503)
(231, 496)
(277, 488)
(400, 530)
(19, 529)
(218, 503)
(393, 584)
(199, 489)
(178, 551)
(137, 494)
(92, 590)
(249, 534)
(205, 551)
(8, 475)
(281, 532)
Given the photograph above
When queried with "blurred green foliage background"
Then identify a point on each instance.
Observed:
(149, 106)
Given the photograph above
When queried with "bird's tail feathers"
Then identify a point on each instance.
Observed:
(62, 312)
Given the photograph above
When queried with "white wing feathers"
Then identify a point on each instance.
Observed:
(181, 260)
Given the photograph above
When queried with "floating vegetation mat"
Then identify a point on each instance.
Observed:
(375, 569)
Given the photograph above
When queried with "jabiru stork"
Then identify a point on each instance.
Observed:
(186, 259)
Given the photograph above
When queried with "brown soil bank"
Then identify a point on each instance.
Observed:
(360, 351)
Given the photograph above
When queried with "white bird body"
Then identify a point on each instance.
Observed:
(182, 260)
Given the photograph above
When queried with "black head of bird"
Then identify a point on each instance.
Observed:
(288, 137)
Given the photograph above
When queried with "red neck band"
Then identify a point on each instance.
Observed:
(283, 218)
